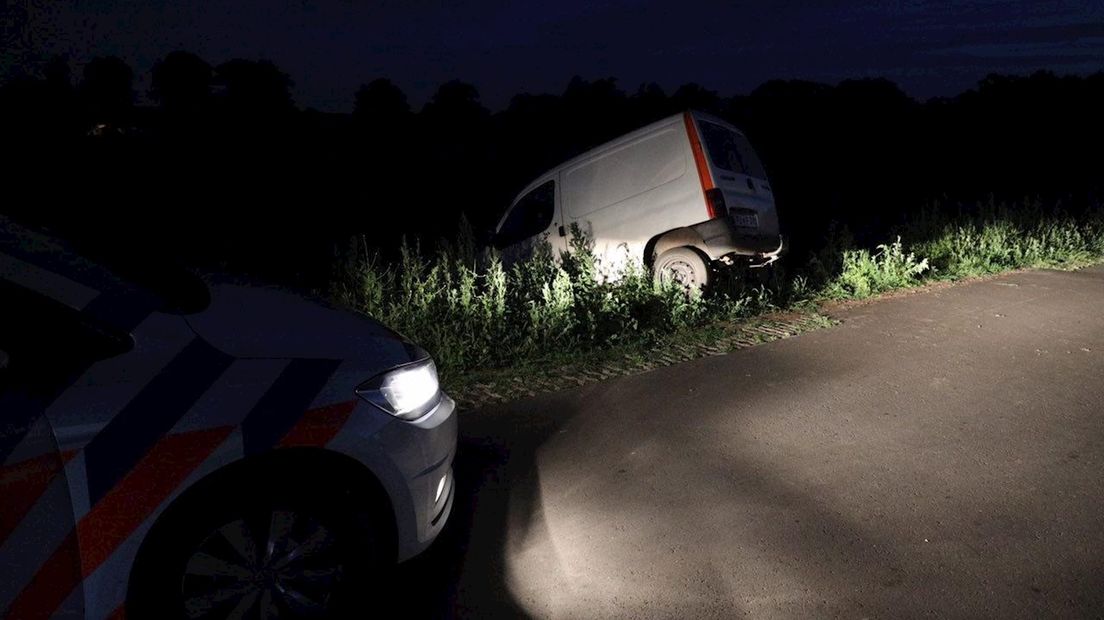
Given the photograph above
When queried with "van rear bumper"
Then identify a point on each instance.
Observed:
(722, 238)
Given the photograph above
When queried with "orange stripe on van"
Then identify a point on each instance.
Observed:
(704, 175)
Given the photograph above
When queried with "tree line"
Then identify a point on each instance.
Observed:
(224, 169)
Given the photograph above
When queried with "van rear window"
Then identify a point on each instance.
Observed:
(730, 150)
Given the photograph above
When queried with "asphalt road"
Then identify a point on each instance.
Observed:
(938, 454)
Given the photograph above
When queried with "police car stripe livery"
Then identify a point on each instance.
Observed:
(138, 459)
(119, 392)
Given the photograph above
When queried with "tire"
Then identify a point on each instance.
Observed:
(282, 550)
(684, 265)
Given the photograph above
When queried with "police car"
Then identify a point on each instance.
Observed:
(176, 447)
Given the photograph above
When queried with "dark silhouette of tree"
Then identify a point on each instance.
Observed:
(652, 93)
(58, 74)
(59, 106)
(384, 149)
(529, 119)
(527, 105)
(602, 92)
(383, 119)
(595, 111)
(40, 109)
(107, 90)
(454, 131)
(381, 99)
(181, 82)
(693, 96)
(457, 104)
(650, 103)
(20, 105)
(229, 148)
(873, 93)
(791, 90)
(254, 87)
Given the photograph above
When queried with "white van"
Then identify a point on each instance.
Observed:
(676, 195)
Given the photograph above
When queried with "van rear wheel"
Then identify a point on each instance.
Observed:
(684, 266)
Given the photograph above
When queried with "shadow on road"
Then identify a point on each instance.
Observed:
(789, 480)
(499, 503)
(463, 574)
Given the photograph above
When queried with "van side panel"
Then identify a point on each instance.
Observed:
(622, 173)
(623, 195)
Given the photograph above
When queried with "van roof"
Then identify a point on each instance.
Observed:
(618, 141)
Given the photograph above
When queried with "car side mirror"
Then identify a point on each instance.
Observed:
(4, 359)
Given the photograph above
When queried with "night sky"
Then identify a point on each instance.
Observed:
(329, 47)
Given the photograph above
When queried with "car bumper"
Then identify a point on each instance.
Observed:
(411, 460)
(428, 448)
(723, 238)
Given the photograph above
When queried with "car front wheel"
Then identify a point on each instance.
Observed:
(261, 553)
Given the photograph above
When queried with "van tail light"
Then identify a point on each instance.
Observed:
(715, 201)
(714, 205)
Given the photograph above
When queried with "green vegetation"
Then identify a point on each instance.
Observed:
(864, 274)
(1002, 237)
(472, 313)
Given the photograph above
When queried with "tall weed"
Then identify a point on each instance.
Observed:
(470, 311)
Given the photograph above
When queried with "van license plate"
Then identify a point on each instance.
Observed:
(745, 220)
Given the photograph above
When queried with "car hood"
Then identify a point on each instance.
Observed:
(252, 321)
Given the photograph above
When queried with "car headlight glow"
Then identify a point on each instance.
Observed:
(406, 392)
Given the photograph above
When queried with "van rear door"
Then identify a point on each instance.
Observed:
(738, 173)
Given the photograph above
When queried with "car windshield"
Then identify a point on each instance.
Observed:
(730, 150)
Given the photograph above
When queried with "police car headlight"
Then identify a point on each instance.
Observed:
(407, 392)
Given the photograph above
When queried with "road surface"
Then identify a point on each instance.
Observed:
(940, 453)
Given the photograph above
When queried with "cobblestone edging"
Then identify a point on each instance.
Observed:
(508, 388)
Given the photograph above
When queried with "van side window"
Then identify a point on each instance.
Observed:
(531, 215)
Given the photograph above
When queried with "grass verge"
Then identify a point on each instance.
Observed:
(557, 372)
(552, 322)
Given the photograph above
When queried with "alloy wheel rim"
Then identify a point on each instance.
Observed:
(278, 564)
